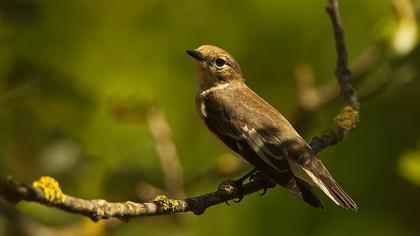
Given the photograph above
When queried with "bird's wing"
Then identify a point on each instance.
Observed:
(275, 140)
(229, 122)
(305, 165)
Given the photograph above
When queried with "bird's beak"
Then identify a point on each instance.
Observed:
(195, 54)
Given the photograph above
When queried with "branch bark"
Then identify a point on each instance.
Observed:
(47, 191)
(348, 118)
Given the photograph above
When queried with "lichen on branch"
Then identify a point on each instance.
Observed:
(50, 189)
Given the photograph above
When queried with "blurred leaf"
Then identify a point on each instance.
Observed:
(409, 166)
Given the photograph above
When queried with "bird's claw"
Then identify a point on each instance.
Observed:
(258, 177)
(236, 185)
(238, 200)
(264, 191)
(233, 185)
(241, 193)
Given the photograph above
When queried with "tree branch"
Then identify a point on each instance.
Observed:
(348, 118)
(48, 192)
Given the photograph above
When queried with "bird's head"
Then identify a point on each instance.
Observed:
(215, 66)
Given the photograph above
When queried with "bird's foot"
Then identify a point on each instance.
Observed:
(259, 177)
(236, 185)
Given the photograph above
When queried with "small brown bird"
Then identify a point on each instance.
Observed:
(256, 131)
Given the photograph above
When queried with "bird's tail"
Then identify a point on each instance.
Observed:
(336, 193)
(316, 174)
(330, 187)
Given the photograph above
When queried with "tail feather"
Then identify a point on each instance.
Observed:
(339, 195)
(328, 185)
(316, 174)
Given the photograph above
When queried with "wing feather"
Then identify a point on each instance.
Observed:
(227, 123)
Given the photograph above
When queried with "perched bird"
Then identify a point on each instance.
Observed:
(256, 131)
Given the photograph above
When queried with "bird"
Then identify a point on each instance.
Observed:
(257, 132)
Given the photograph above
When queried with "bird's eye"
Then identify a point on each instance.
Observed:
(220, 62)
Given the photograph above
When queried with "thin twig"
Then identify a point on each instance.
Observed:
(167, 153)
(348, 118)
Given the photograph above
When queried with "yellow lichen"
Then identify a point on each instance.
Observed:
(347, 118)
(165, 203)
(162, 201)
(50, 188)
(174, 203)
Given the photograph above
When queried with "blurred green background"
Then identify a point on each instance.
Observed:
(89, 89)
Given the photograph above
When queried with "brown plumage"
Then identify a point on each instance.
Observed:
(256, 131)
